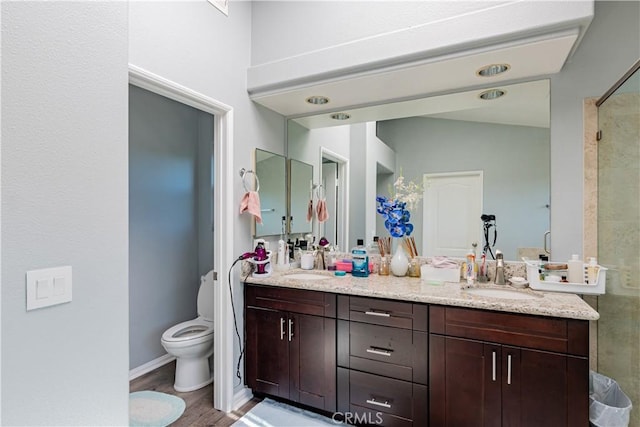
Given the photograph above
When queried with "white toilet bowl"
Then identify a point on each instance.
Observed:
(191, 342)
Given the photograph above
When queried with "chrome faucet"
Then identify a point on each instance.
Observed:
(499, 280)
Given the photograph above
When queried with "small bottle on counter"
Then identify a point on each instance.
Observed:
(592, 271)
(384, 266)
(414, 268)
(359, 260)
(470, 274)
(575, 268)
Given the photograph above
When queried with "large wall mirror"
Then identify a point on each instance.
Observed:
(506, 138)
(271, 171)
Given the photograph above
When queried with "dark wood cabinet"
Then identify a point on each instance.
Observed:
(500, 369)
(382, 361)
(291, 345)
(398, 363)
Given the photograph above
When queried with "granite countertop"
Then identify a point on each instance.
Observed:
(554, 304)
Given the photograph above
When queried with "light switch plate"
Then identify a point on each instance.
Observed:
(48, 286)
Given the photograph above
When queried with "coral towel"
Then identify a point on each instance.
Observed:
(310, 211)
(251, 203)
(322, 212)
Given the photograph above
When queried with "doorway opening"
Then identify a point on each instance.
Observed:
(334, 177)
(222, 252)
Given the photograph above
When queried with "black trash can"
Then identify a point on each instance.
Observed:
(608, 405)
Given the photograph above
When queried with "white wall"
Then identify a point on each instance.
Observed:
(193, 44)
(378, 157)
(609, 48)
(64, 202)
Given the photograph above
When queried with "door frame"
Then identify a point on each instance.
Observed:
(223, 396)
(343, 199)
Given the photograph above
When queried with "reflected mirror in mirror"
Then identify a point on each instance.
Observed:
(506, 138)
(300, 182)
(271, 171)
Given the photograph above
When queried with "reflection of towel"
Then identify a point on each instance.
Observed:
(251, 203)
(443, 262)
(322, 212)
(310, 211)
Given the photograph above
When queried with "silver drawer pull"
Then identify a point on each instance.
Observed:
(377, 313)
(379, 351)
(290, 329)
(375, 402)
(281, 328)
(509, 369)
(493, 366)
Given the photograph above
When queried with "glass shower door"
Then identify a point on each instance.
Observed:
(619, 237)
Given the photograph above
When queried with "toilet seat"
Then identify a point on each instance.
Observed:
(188, 331)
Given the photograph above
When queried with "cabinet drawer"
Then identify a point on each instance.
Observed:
(543, 333)
(390, 352)
(381, 394)
(361, 416)
(399, 314)
(291, 300)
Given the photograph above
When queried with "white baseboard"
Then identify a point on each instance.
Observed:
(241, 397)
(150, 366)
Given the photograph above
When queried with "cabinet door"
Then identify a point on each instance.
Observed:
(464, 381)
(312, 363)
(535, 388)
(267, 359)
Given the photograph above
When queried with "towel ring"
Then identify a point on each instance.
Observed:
(244, 173)
(318, 192)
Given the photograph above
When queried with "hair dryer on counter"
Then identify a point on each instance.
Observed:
(261, 258)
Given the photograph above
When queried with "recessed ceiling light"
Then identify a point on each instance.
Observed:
(317, 100)
(340, 116)
(493, 70)
(492, 94)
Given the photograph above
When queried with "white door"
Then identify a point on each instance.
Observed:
(452, 210)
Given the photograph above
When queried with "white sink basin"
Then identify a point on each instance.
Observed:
(307, 276)
(501, 293)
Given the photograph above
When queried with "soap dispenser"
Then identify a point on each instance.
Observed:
(499, 280)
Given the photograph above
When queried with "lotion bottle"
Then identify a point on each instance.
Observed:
(592, 271)
(576, 269)
(283, 253)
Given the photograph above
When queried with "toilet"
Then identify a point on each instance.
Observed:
(191, 342)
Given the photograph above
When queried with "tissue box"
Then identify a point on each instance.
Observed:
(430, 273)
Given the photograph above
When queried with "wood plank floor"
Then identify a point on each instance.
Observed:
(199, 411)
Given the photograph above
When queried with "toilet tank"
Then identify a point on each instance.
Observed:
(205, 296)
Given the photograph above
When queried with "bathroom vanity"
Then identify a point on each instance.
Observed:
(399, 352)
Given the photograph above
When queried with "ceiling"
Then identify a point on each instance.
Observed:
(409, 91)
